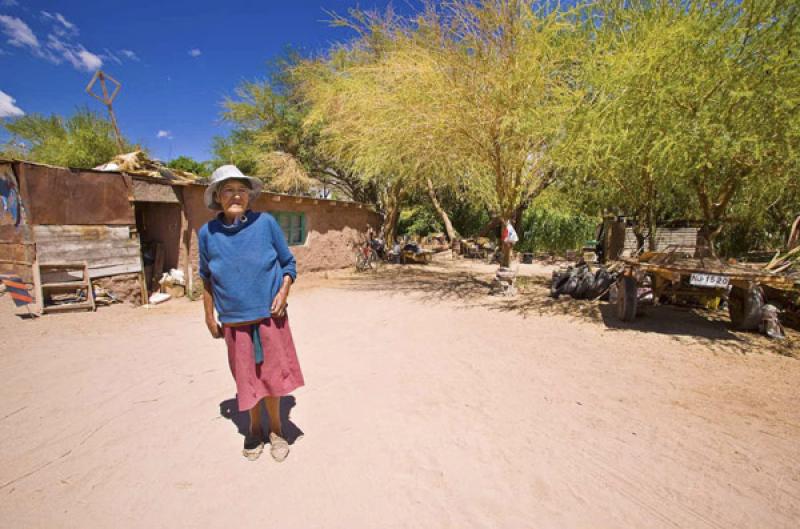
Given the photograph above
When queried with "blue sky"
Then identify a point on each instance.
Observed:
(176, 63)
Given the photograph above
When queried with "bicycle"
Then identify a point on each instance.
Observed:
(366, 258)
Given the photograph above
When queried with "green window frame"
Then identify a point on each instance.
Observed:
(293, 226)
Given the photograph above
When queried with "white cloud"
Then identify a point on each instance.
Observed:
(130, 55)
(61, 26)
(109, 55)
(118, 56)
(60, 45)
(75, 54)
(9, 3)
(164, 134)
(88, 61)
(195, 52)
(7, 107)
(19, 33)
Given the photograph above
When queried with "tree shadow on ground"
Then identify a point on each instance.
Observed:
(241, 419)
(436, 283)
(433, 284)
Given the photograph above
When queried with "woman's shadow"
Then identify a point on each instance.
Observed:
(230, 410)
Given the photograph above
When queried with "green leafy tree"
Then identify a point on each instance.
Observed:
(475, 92)
(85, 139)
(694, 109)
(239, 149)
(186, 163)
(270, 138)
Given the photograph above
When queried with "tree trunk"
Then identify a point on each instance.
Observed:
(639, 234)
(392, 201)
(450, 233)
(705, 240)
(651, 231)
(496, 221)
(390, 225)
(505, 259)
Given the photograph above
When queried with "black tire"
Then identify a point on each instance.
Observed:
(627, 298)
(744, 308)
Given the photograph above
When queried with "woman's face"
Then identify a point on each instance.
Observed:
(234, 196)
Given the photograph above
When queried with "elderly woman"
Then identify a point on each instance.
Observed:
(247, 270)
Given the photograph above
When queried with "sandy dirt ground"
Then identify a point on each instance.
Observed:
(427, 404)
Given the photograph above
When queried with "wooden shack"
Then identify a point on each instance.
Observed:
(130, 229)
(71, 216)
(619, 238)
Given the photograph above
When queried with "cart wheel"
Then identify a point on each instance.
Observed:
(626, 298)
(744, 308)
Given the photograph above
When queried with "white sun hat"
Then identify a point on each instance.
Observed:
(227, 172)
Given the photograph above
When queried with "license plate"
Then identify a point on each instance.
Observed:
(708, 280)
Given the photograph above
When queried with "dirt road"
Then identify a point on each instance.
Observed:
(426, 405)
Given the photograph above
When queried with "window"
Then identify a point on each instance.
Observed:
(293, 226)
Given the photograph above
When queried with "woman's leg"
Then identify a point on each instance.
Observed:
(255, 421)
(274, 411)
(279, 448)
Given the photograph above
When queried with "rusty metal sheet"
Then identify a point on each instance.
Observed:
(55, 195)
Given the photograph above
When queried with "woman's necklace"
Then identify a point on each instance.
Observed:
(241, 219)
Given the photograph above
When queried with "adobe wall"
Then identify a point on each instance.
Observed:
(331, 227)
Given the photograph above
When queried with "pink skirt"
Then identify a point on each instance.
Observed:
(277, 376)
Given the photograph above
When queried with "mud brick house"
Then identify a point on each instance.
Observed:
(129, 229)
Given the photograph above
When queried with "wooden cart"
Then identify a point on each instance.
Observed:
(674, 276)
(418, 257)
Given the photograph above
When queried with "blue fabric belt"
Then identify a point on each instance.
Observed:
(258, 350)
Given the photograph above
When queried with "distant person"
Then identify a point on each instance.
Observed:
(247, 271)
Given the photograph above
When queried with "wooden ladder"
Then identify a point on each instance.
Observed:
(66, 271)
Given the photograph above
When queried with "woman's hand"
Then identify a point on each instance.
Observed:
(278, 309)
(214, 328)
(208, 307)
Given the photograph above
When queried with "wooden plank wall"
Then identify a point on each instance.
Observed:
(684, 237)
(109, 250)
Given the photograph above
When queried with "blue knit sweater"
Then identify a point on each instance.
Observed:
(245, 263)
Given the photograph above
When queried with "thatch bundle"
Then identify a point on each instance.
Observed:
(138, 163)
